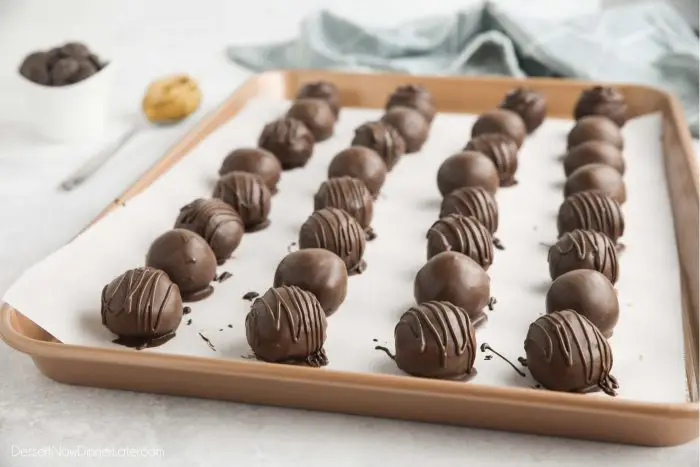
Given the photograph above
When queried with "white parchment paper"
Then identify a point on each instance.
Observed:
(62, 293)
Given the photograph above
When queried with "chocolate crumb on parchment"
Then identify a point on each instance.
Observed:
(291, 247)
(371, 234)
(223, 276)
(250, 296)
(206, 339)
(485, 347)
(189, 321)
(488, 357)
(492, 302)
(522, 361)
(230, 326)
(186, 310)
(497, 244)
(385, 350)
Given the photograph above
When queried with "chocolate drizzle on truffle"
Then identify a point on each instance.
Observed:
(217, 222)
(599, 100)
(584, 249)
(349, 194)
(529, 104)
(383, 139)
(142, 306)
(435, 340)
(502, 151)
(593, 211)
(316, 114)
(248, 196)
(473, 202)
(410, 124)
(287, 325)
(322, 90)
(566, 352)
(289, 140)
(338, 232)
(415, 97)
(256, 161)
(464, 235)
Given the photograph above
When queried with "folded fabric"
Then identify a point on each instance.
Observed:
(647, 43)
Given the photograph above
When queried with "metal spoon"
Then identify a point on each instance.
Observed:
(94, 163)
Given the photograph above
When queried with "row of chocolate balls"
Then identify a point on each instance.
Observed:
(413, 312)
(207, 231)
(397, 355)
(453, 283)
(584, 262)
(450, 328)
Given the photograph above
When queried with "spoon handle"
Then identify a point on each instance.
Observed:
(94, 163)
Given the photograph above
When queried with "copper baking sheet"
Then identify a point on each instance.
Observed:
(399, 397)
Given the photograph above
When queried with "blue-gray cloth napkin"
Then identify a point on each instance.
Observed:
(642, 43)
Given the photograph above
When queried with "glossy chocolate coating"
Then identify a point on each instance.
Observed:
(410, 124)
(256, 161)
(289, 140)
(248, 195)
(595, 128)
(529, 104)
(361, 163)
(316, 114)
(415, 97)
(594, 152)
(584, 249)
(435, 340)
(349, 194)
(591, 210)
(287, 325)
(464, 235)
(383, 139)
(142, 304)
(456, 278)
(467, 169)
(597, 177)
(600, 100)
(322, 90)
(188, 261)
(588, 293)
(502, 151)
(472, 202)
(216, 222)
(566, 352)
(338, 232)
(318, 271)
(502, 121)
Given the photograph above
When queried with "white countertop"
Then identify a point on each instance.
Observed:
(148, 39)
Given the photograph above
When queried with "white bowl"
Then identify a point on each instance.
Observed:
(72, 113)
